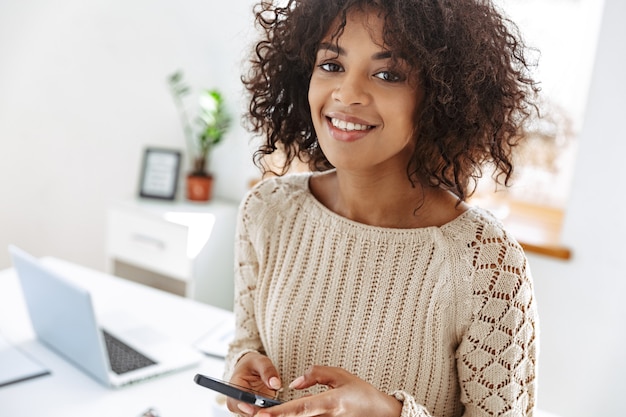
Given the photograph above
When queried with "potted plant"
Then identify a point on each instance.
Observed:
(212, 122)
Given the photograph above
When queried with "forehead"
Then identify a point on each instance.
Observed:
(357, 22)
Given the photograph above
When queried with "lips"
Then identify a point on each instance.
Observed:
(349, 126)
(346, 128)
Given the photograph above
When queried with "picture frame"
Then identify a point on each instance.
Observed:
(159, 173)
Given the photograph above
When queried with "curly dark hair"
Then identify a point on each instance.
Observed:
(468, 57)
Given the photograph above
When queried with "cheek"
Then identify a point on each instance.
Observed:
(314, 96)
(316, 104)
(409, 116)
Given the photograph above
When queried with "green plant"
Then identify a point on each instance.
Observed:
(213, 121)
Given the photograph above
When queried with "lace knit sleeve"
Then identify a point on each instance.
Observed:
(246, 268)
(256, 222)
(498, 331)
(497, 356)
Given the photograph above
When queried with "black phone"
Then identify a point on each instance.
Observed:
(235, 391)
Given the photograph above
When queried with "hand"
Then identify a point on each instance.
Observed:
(348, 396)
(256, 372)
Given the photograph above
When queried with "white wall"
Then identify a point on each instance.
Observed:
(582, 307)
(82, 91)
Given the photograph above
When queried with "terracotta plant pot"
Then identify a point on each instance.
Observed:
(199, 187)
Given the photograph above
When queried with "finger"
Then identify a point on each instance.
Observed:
(269, 374)
(261, 366)
(231, 404)
(241, 408)
(322, 375)
(246, 408)
(307, 406)
(297, 383)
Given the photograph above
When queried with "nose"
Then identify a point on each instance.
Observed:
(351, 90)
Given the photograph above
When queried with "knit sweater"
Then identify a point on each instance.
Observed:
(443, 318)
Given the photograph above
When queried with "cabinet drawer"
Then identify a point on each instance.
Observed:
(149, 242)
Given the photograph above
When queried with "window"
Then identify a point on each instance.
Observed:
(565, 32)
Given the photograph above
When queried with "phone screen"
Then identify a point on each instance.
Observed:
(235, 391)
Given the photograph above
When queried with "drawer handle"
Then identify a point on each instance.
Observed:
(149, 241)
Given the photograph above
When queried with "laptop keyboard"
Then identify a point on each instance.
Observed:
(122, 357)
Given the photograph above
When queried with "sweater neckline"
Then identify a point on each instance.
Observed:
(459, 222)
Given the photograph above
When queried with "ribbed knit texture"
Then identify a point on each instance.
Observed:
(443, 318)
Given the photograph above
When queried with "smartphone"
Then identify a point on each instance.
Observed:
(235, 391)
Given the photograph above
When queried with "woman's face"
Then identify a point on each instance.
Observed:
(362, 103)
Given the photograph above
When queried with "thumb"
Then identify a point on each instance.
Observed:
(269, 375)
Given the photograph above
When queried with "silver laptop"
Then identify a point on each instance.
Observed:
(63, 318)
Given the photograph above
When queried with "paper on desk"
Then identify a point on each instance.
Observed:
(215, 341)
(17, 366)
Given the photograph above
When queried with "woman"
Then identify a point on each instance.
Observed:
(370, 286)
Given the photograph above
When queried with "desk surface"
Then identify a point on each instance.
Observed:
(68, 392)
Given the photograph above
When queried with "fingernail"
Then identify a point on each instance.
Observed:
(296, 382)
(275, 383)
(245, 408)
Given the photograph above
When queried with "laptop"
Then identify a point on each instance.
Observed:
(64, 319)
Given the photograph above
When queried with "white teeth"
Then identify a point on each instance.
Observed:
(343, 125)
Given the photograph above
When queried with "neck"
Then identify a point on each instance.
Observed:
(384, 200)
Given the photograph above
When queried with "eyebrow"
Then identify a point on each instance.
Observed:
(340, 51)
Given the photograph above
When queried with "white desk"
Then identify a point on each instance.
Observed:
(68, 392)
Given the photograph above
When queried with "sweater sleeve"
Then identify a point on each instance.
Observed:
(497, 356)
(247, 337)
(410, 407)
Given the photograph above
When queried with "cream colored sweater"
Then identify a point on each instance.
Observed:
(443, 318)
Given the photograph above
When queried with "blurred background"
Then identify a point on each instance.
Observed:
(83, 92)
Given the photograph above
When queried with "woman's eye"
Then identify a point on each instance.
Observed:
(330, 67)
(389, 76)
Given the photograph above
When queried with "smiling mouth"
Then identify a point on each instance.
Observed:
(348, 126)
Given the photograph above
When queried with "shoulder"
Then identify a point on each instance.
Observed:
(285, 183)
(490, 243)
(276, 190)
(498, 264)
(274, 198)
(484, 237)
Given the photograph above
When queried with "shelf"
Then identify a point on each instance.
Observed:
(537, 228)
(182, 247)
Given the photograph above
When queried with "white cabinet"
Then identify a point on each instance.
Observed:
(182, 247)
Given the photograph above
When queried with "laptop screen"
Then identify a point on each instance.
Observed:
(62, 314)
